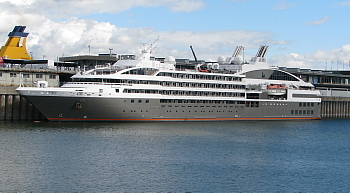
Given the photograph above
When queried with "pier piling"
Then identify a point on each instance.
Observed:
(14, 107)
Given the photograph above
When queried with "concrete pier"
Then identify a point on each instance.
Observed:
(17, 108)
(335, 107)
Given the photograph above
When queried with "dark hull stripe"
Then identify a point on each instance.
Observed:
(194, 119)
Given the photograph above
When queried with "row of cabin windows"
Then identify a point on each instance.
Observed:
(142, 71)
(138, 101)
(306, 104)
(200, 101)
(12, 74)
(203, 85)
(302, 112)
(199, 76)
(185, 93)
(169, 111)
(247, 103)
(165, 83)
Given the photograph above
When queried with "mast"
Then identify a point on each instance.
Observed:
(194, 55)
(146, 51)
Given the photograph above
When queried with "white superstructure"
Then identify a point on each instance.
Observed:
(150, 90)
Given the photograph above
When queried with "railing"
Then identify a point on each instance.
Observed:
(99, 83)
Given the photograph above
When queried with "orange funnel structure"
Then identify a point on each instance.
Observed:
(15, 47)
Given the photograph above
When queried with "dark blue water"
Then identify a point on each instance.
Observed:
(294, 156)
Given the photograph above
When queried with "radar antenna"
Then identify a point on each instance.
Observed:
(149, 49)
(153, 45)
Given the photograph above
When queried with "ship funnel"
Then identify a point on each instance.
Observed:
(15, 47)
(238, 51)
(260, 55)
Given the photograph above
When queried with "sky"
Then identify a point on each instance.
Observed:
(308, 34)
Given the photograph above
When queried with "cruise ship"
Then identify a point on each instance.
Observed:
(146, 89)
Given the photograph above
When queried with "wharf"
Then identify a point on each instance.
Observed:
(335, 107)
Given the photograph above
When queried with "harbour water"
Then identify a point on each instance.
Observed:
(258, 156)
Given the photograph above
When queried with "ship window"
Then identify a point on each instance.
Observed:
(25, 76)
(252, 95)
(132, 101)
(296, 112)
(13, 74)
(0, 74)
(101, 90)
(139, 101)
(117, 90)
(52, 76)
(147, 101)
(38, 76)
(271, 74)
(292, 112)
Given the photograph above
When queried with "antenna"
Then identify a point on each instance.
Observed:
(153, 45)
(149, 49)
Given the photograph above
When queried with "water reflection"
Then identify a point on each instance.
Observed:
(213, 156)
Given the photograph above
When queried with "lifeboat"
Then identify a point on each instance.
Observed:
(276, 89)
(202, 70)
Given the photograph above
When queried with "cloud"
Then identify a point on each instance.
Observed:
(186, 6)
(57, 35)
(64, 8)
(320, 59)
(61, 34)
(73, 36)
(283, 6)
(319, 21)
(346, 3)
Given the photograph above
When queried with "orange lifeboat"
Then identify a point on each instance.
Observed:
(201, 70)
(276, 89)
